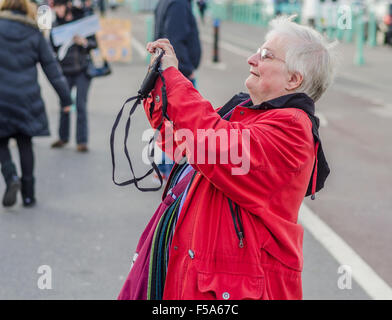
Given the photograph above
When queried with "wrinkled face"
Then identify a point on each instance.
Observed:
(60, 10)
(268, 77)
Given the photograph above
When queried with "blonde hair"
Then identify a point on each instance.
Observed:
(25, 6)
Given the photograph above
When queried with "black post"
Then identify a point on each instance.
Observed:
(216, 38)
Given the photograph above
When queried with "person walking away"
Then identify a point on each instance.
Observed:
(175, 21)
(88, 7)
(22, 110)
(202, 4)
(102, 7)
(74, 66)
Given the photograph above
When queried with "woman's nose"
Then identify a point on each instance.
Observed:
(253, 59)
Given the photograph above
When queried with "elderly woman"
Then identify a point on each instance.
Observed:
(227, 230)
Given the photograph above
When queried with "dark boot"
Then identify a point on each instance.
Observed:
(28, 193)
(12, 181)
(59, 144)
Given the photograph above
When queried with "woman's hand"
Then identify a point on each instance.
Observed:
(169, 58)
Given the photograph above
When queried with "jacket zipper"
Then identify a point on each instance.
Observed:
(239, 229)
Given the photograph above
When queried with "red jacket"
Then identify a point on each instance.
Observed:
(206, 261)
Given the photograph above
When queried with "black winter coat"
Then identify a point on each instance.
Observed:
(22, 46)
(175, 21)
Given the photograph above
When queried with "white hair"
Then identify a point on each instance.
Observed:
(308, 53)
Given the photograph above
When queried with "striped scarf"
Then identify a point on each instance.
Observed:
(161, 243)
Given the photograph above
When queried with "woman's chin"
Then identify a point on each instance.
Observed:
(248, 82)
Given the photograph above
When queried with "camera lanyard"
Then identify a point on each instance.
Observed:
(135, 180)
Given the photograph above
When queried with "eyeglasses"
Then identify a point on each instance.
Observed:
(265, 54)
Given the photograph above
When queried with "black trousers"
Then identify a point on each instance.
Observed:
(26, 154)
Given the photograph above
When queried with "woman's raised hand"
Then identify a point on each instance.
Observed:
(169, 58)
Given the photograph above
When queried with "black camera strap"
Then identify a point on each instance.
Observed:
(151, 152)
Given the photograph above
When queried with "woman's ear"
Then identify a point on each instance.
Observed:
(295, 81)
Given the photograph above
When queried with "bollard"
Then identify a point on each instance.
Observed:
(359, 39)
(372, 29)
(215, 57)
(330, 24)
(149, 36)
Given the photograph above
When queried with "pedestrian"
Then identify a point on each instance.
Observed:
(202, 4)
(102, 7)
(88, 7)
(22, 110)
(175, 21)
(83, 5)
(74, 66)
(229, 228)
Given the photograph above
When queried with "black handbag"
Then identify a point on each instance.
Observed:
(93, 71)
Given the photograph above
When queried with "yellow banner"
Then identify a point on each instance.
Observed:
(114, 39)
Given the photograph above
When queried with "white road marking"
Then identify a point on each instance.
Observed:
(216, 65)
(364, 275)
(323, 119)
(382, 111)
(139, 47)
(229, 47)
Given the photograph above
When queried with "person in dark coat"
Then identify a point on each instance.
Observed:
(74, 65)
(202, 4)
(22, 110)
(175, 21)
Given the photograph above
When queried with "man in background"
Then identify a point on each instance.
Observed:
(175, 21)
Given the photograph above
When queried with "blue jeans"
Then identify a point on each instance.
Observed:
(164, 167)
(82, 84)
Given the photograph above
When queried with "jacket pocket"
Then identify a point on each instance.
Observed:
(228, 286)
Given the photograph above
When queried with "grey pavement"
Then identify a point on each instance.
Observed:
(86, 228)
